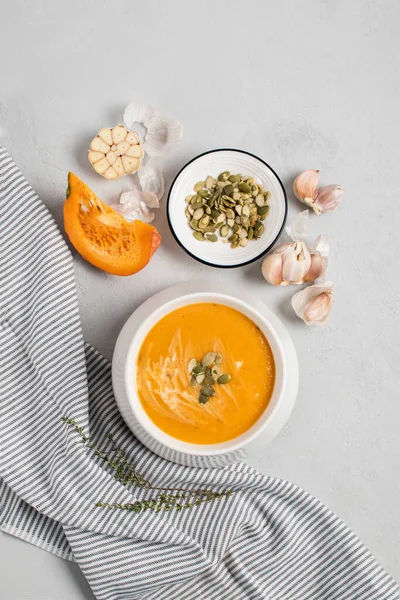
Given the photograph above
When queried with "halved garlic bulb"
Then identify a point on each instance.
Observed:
(314, 303)
(116, 152)
(296, 262)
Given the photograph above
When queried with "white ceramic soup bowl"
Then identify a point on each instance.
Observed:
(125, 364)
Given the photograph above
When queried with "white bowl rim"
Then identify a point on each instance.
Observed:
(176, 444)
(263, 252)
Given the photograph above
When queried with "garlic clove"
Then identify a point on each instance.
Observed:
(101, 166)
(134, 151)
(98, 145)
(130, 164)
(314, 303)
(272, 268)
(325, 199)
(119, 133)
(316, 268)
(95, 156)
(111, 157)
(106, 135)
(133, 138)
(317, 308)
(305, 187)
(119, 167)
(111, 173)
(296, 262)
(319, 259)
(328, 198)
(123, 147)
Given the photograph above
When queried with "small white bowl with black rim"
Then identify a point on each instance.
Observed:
(220, 254)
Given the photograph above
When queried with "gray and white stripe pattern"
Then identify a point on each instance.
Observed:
(270, 540)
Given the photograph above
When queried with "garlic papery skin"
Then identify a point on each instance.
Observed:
(161, 130)
(297, 230)
(151, 179)
(314, 304)
(305, 187)
(328, 198)
(135, 205)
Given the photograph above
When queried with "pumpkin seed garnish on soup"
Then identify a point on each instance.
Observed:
(206, 374)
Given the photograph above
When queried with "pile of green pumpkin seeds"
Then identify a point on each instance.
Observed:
(232, 205)
(206, 373)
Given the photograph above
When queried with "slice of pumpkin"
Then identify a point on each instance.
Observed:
(102, 236)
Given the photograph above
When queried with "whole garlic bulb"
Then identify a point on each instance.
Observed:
(295, 262)
(314, 303)
(325, 199)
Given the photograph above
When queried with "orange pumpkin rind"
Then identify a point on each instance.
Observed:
(102, 236)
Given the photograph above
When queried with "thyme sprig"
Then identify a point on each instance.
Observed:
(124, 471)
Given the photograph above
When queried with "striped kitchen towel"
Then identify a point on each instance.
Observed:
(270, 540)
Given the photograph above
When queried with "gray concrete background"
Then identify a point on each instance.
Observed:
(301, 84)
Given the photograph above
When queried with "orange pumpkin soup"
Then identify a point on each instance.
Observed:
(169, 393)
